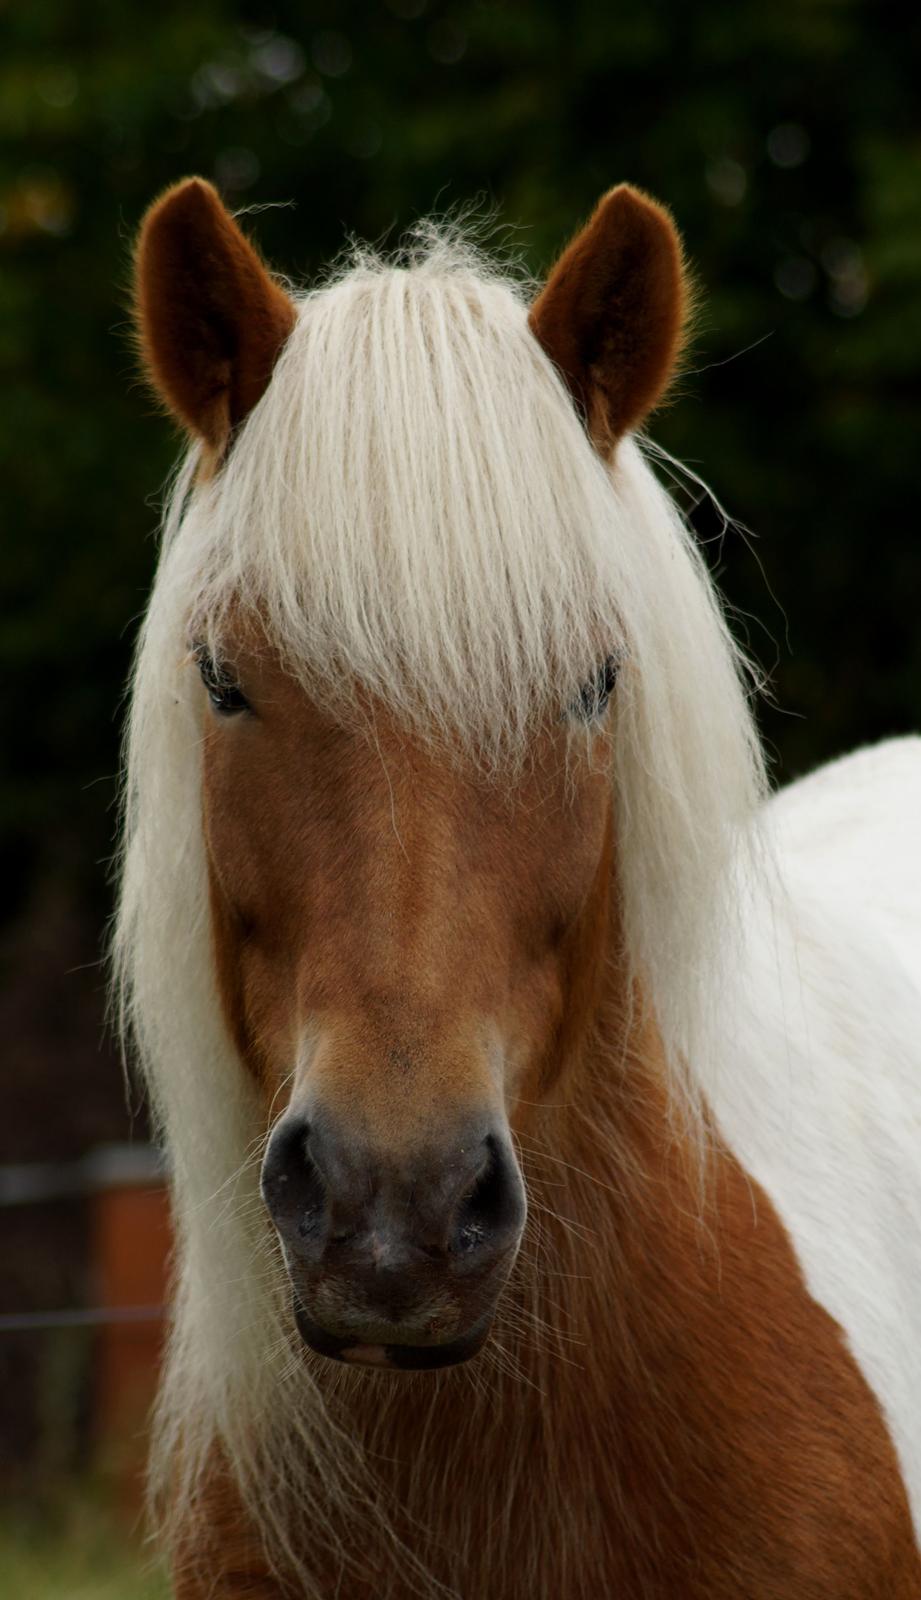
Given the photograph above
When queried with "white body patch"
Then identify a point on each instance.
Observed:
(817, 1084)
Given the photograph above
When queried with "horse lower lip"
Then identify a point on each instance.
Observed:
(389, 1357)
(366, 1355)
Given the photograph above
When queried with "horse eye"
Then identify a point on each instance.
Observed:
(594, 695)
(225, 695)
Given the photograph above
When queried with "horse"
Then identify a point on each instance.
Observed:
(542, 1098)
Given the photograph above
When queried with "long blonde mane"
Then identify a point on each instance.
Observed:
(414, 507)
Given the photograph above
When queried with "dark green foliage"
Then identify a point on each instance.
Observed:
(785, 137)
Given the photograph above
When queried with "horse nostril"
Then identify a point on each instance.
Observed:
(493, 1212)
(292, 1188)
(373, 1222)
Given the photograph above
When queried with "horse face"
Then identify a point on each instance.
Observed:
(402, 948)
(406, 950)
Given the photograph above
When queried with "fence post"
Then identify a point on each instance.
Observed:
(131, 1242)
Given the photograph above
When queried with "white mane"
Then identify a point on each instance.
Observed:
(413, 505)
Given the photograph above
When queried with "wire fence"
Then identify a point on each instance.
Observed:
(111, 1166)
(78, 1317)
(108, 1168)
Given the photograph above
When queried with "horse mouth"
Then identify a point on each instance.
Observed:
(397, 1357)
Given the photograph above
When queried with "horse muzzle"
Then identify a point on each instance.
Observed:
(394, 1262)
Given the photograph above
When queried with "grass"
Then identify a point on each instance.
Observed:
(76, 1551)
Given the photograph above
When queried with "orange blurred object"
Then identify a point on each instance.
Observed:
(131, 1239)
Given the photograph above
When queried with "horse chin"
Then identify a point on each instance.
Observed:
(390, 1357)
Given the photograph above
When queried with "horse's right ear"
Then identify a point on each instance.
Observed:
(210, 318)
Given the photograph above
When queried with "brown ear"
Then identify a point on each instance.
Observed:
(612, 313)
(211, 320)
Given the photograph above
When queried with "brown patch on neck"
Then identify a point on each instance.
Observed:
(666, 1381)
(662, 1379)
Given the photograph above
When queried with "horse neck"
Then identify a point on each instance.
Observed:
(655, 1342)
(608, 1143)
(618, 1179)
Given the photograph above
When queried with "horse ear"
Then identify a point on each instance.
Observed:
(211, 320)
(612, 314)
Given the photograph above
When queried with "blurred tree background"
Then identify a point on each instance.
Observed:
(787, 140)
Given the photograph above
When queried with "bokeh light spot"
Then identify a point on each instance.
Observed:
(236, 168)
(58, 87)
(447, 42)
(331, 54)
(279, 59)
(788, 144)
(727, 180)
(795, 277)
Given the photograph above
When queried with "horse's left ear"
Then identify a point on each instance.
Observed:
(211, 319)
(611, 316)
